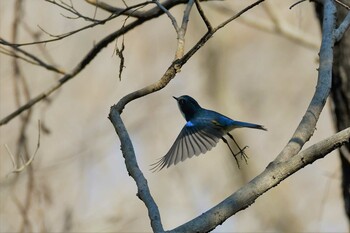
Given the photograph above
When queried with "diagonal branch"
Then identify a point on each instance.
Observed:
(268, 179)
(150, 14)
(339, 33)
(204, 17)
(170, 16)
(34, 59)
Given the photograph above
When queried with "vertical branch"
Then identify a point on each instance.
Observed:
(340, 92)
(307, 125)
(143, 191)
(22, 145)
(180, 51)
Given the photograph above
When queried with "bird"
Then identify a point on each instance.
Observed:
(203, 130)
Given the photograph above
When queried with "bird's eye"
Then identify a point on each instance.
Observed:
(181, 101)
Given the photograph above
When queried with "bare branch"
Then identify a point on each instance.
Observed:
(286, 163)
(294, 4)
(150, 14)
(182, 31)
(238, 14)
(18, 169)
(70, 8)
(342, 4)
(204, 17)
(116, 10)
(282, 28)
(126, 144)
(62, 36)
(271, 177)
(339, 33)
(35, 59)
(143, 191)
(307, 125)
(171, 17)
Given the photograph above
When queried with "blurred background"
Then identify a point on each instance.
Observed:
(249, 71)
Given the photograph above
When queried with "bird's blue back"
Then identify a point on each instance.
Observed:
(202, 131)
(208, 118)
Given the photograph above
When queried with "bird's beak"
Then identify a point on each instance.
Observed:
(175, 98)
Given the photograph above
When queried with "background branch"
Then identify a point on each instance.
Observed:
(150, 14)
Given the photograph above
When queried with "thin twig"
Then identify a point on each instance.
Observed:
(294, 4)
(115, 10)
(11, 156)
(342, 4)
(283, 29)
(18, 169)
(35, 59)
(62, 36)
(150, 14)
(170, 16)
(340, 31)
(180, 50)
(204, 17)
(70, 8)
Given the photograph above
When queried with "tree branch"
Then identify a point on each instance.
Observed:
(339, 33)
(64, 35)
(126, 144)
(18, 169)
(35, 60)
(286, 163)
(134, 171)
(278, 26)
(307, 125)
(271, 177)
(115, 10)
(170, 16)
(150, 14)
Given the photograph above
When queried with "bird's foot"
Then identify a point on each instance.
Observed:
(243, 155)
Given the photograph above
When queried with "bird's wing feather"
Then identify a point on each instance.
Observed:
(192, 140)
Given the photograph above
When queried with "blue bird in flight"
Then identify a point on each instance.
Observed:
(202, 131)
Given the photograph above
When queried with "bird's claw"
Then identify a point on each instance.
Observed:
(243, 155)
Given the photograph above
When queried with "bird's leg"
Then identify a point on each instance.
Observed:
(241, 151)
(234, 155)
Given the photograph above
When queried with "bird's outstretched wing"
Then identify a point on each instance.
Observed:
(192, 140)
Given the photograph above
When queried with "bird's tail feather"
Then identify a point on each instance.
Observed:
(240, 124)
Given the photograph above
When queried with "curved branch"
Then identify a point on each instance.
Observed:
(307, 125)
(271, 177)
(126, 144)
(143, 191)
(286, 163)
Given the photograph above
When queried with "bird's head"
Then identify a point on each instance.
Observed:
(188, 106)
